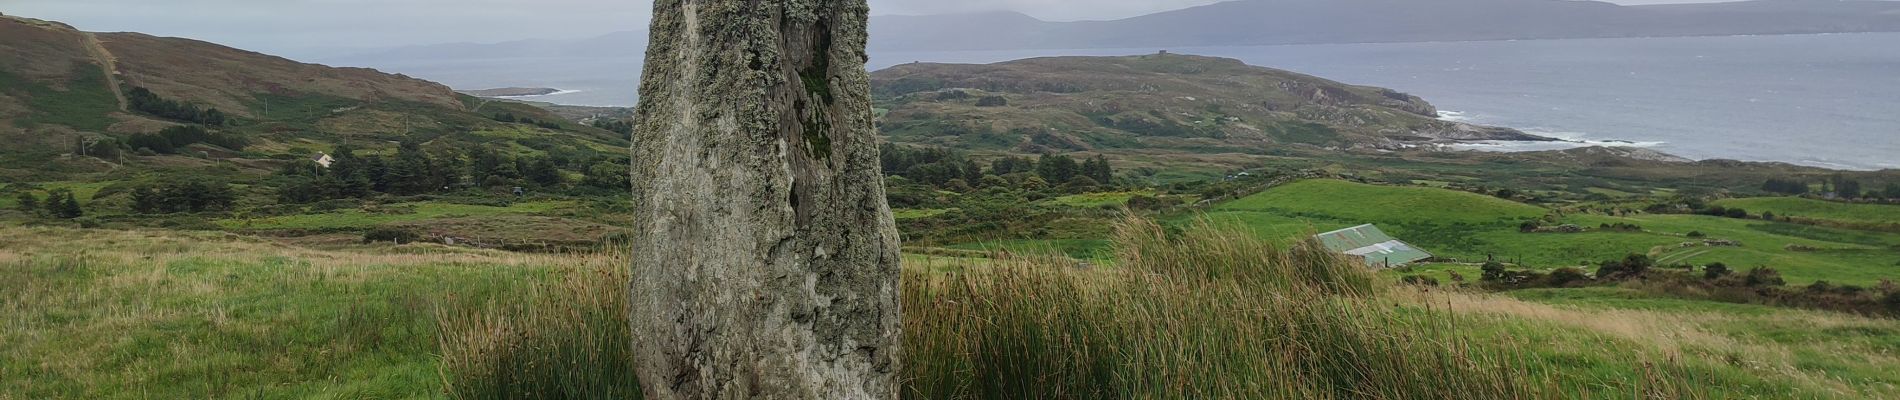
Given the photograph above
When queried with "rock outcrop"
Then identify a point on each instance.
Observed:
(766, 259)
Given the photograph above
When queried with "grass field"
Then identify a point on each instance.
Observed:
(84, 191)
(115, 314)
(1473, 228)
(1742, 351)
(903, 214)
(83, 102)
(109, 314)
(392, 213)
(1086, 249)
(1098, 200)
(1818, 209)
(1341, 200)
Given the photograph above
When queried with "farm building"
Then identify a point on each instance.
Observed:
(1378, 248)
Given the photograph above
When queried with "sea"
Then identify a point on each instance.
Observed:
(1830, 100)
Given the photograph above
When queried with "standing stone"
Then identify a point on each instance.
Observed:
(766, 259)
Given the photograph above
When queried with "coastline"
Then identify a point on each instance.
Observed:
(1578, 140)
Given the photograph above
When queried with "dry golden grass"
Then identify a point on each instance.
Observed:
(1199, 314)
(1716, 338)
(127, 314)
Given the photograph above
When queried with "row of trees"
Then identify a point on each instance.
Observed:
(414, 171)
(1785, 186)
(944, 168)
(143, 100)
(619, 126)
(1839, 186)
(1716, 281)
(511, 118)
(170, 140)
(59, 203)
(187, 195)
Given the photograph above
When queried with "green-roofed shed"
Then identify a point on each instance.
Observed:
(1372, 244)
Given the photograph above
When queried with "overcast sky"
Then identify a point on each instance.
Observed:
(318, 27)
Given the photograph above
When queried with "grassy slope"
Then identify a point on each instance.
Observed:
(1347, 200)
(1810, 208)
(1470, 227)
(1734, 351)
(1844, 355)
(218, 316)
(82, 102)
(107, 314)
(84, 191)
(405, 212)
(1844, 256)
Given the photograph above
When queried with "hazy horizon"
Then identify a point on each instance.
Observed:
(317, 28)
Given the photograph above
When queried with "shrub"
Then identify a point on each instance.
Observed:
(1716, 271)
(1567, 275)
(1763, 276)
(391, 235)
(182, 195)
(1493, 271)
(1630, 266)
(1528, 226)
(88, 222)
(26, 203)
(992, 101)
(1697, 234)
(1820, 287)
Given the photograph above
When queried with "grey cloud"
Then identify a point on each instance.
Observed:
(314, 27)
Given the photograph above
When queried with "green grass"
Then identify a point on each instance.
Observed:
(1341, 200)
(1608, 298)
(104, 314)
(1854, 257)
(1085, 249)
(404, 212)
(1098, 200)
(1846, 356)
(1818, 209)
(1440, 271)
(84, 191)
(83, 102)
(1473, 228)
(903, 214)
(110, 314)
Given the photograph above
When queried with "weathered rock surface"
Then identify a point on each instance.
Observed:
(766, 259)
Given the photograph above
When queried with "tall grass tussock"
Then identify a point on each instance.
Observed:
(1196, 313)
(1204, 313)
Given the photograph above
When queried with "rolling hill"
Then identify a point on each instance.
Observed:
(1149, 102)
(71, 103)
(1268, 22)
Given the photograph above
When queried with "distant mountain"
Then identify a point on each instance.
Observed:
(1265, 22)
(75, 103)
(1159, 101)
(617, 44)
